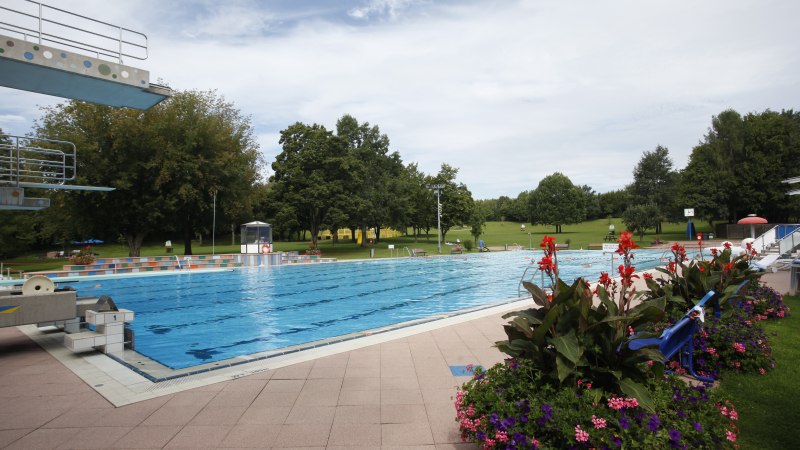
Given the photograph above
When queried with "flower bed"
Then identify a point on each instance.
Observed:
(512, 406)
(573, 381)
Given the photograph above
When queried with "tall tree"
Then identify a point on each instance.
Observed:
(164, 163)
(654, 181)
(741, 162)
(374, 199)
(456, 199)
(556, 201)
(208, 151)
(308, 175)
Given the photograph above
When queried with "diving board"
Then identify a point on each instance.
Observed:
(55, 52)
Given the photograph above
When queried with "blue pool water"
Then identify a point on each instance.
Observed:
(195, 318)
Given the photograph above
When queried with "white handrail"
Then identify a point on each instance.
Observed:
(766, 240)
(51, 25)
(789, 242)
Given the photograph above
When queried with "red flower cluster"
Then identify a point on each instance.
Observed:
(626, 244)
(547, 264)
(605, 280)
(679, 251)
(548, 244)
(626, 273)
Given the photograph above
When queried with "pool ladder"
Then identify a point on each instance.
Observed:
(521, 291)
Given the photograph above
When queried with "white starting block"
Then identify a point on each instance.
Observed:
(110, 334)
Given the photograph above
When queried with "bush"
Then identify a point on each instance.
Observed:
(468, 245)
(733, 343)
(512, 405)
(763, 302)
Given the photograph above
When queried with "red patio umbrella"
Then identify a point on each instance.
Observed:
(751, 220)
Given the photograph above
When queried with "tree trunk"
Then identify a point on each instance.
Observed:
(134, 243)
(233, 234)
(187, 238)
(314, 231)
(377, 234)
(353, 235)
(364, 237)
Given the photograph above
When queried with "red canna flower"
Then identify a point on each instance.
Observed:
(548, 244)
(605, 280)
(626, 244)
(626, 273)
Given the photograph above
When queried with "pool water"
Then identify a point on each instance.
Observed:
(195, 318)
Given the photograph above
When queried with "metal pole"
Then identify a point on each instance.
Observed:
(40, 24)
(439, 219)
(214, 225)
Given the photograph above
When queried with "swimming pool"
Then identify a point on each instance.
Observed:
(196, 318)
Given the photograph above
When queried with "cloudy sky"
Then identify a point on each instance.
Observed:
(507, 91)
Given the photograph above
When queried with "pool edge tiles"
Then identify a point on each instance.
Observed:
(121, 385)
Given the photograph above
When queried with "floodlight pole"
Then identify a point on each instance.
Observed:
(438, 188)
(214, 225)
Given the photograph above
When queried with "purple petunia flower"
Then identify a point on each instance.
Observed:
(653, 423)
(616, 441)
(675, 435)
(519, 437)
(624, 423)
(493, 419)
(523, 418)
(698, 427)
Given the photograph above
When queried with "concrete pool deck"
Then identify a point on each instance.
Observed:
(395, 393)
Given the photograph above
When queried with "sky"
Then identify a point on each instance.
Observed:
(506, 91)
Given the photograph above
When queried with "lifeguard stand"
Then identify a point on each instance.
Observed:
(256, 237)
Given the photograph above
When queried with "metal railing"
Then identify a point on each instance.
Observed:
(789, 242)
(26, 160)
(766, 240)
(50, 25)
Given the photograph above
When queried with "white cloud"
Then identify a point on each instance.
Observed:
(371, 8)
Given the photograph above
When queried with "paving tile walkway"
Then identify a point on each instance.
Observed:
(398, 394)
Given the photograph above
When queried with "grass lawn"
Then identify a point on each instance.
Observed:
(769, 405)
(495, 234)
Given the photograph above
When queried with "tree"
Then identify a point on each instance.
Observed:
(456, 199)
(308, 176)
(640, 218)
(592, 202)
(375, 198)
(738, 167)
(613, 203)
(556, 201)
(655, 182)
(421, 209)
(164, 164)
(207, 149)
(477, 221)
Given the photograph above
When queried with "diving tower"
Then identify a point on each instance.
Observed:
(52, 51)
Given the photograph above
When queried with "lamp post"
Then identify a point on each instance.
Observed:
(214, 225)
(438, 188)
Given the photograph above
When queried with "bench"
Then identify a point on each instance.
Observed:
(456, 252)
(610, 237)
(595, 247)
(418, 252)
(678, 339)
